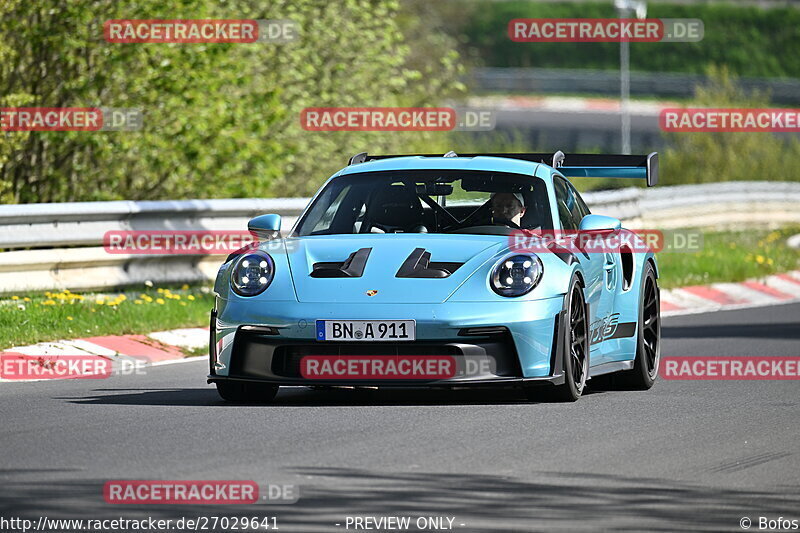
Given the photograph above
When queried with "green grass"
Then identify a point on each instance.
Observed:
(64, 315)
(725, 256)
(730, 256)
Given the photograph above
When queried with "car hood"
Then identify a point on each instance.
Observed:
(378, 282)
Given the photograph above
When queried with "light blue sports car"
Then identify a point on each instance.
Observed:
(454, 270)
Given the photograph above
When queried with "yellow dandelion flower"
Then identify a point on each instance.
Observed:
(184, 287)
(15, 297)
(760, 259)
(137, 302)
(69, 318)
(26, 299)
(190, 297)
(159, 301)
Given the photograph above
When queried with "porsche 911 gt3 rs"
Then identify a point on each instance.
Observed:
(408, 271)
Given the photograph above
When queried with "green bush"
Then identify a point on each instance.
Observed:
(220, 120)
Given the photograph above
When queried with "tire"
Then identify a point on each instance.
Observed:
(244, 392)
(575, 353)
(648, 342)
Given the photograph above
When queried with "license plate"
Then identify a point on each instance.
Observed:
(366, 330)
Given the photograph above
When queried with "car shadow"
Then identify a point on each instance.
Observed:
(306, 397)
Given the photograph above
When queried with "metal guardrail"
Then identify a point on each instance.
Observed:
(85, 223)
(57, 246)
(538, 80)
(733, 205)
(63, 241)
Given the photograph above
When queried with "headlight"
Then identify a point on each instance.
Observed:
(252, 273)
(517, 275)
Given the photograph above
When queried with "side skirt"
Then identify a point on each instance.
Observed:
(608, 368)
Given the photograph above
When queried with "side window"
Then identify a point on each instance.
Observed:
(567, 205)
(583, 209)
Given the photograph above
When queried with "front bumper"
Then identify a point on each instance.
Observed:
(519, 339)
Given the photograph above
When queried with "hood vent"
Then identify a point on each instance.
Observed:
(419, 265)
(352, 267)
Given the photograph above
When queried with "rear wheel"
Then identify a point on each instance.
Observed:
(648, 350)
(244, 392)
(575, 354)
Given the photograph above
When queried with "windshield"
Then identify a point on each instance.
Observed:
(428, 201)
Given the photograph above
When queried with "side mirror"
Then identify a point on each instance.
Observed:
(265, 227)
(600, 223)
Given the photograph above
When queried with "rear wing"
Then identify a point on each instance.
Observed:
(573, 165)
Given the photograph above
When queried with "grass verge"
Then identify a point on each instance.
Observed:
(730, 256)
(66, 315)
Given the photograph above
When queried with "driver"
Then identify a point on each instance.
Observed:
(508, 207)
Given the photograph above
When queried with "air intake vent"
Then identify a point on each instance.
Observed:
(419, 265)
(352, 267)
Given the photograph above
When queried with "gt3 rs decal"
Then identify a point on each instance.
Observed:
(609, 327)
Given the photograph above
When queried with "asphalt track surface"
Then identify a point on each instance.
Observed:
(684, 456)
(585, 130)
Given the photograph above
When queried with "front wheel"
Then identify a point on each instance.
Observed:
(575, 354)
(244, 392)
